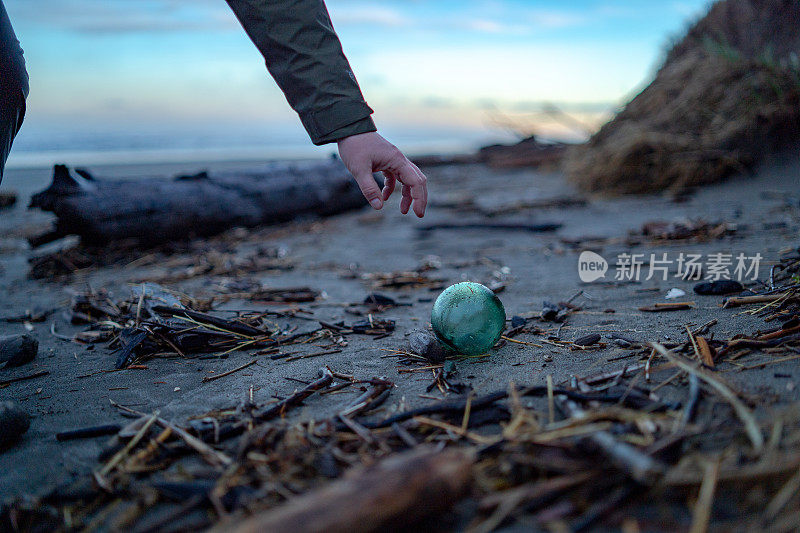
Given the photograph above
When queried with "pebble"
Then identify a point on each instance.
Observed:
(424, 343)
(14, 422)
(587, 340)
(379, 299)
(720, 286)
(16, 350)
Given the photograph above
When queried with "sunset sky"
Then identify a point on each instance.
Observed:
(151, 74)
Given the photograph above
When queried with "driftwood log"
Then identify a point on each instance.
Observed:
(156, 210)
(390, 495)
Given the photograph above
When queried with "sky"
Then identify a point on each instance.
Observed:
(149, 75)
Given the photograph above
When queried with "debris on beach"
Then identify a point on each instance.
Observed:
(104, 211)
(425, 344)
(646, 421)
(718, 287)
(411, 279)
(17, 350)
(602, 449)
(156, 322)
(684, 230)
(172, 261)
(558, 312)
(530, 204)
(587, 340)
(669, 306)
(675, 293)
(529, 152)
(14, 422)
(593, 450)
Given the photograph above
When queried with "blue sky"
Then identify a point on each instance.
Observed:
(126, 71)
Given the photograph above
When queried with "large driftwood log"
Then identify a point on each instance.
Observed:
(391, 495)
(155, 210)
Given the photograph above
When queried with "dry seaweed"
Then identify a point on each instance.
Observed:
(727, 95)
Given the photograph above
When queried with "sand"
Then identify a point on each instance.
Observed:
(330, 255)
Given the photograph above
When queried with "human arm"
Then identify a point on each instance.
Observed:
(304, 55)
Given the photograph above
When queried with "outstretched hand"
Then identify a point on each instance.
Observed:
(366, 153)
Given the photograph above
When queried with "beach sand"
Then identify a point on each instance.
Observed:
(331, 255)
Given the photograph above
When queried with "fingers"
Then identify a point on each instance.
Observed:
(369, 152)
(388, 185)
(405, 201)
(424, 203)
(413, 178)
(369, 188)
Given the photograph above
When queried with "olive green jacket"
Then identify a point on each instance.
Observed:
(304, 56)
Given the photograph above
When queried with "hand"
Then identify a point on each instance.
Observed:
(366, 153)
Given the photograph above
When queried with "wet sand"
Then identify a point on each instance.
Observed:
(331, 255)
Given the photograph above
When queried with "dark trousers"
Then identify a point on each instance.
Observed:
(13, 86)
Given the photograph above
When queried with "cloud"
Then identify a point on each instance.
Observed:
(473, 17)
(369, 15)
(123, 16)
(553, 19)
(481, 25)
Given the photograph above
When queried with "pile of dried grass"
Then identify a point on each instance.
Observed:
(727, 94)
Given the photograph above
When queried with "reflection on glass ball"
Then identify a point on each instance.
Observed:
(468, 318)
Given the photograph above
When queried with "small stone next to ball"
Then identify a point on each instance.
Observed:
(468, 318)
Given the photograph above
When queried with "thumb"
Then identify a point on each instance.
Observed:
(368, 185)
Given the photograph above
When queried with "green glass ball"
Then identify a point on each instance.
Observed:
(468, 318)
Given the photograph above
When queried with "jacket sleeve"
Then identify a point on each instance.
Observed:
(305, 57)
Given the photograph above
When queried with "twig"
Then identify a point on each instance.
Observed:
(315, 354)
(456, 406)
(605, 376)
(124, 451)
(210, 320)
(509, 339)
(467, 410)
(778, 334)
(598, 510)
(701, 515)
(88, 432)
(736, 301)
(211, 455)
(405, 436)
(635, 464)
(744, 414)
(694, 344)
(7, 382)
(705, 352)
(229, 372)
(480, 439)
(691, 403)
(358, 429)
(772, 362)
(369, 399)
(279, 408)
(782, 497)
(173, 516)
